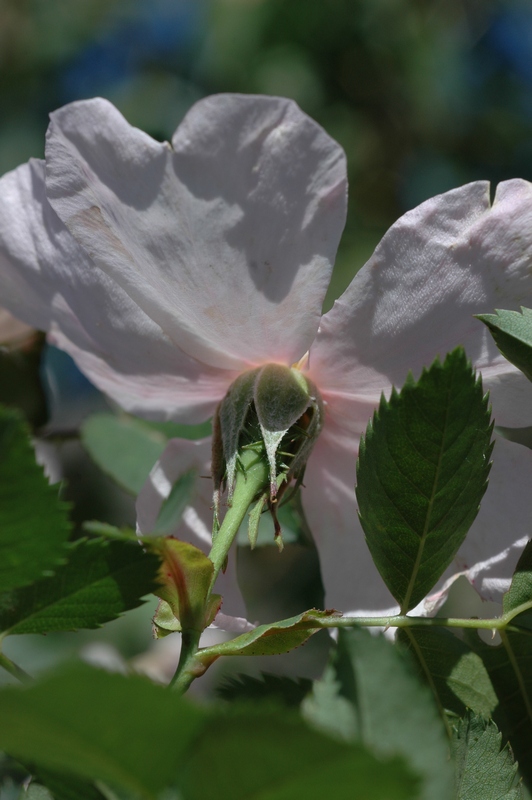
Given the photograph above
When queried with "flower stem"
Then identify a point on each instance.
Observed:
(188, 668)
(14, 669)
(250, 481)
(403, 621)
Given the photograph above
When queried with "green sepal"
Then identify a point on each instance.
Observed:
(422, 472)
(271, 639)
(185, 577)
(281, 398)
(512, 332)
(231, 421)
(254, 519)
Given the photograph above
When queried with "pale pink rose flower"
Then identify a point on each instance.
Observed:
(166, 270)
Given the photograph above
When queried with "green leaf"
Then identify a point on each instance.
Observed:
(328, 711)
(274, 756)
(267, 640)
(122, 730)
(512, 332)
(176, 502)
(277, 689)
(454, 673)
(483, 770)
(509, 666)
(520, 591)
(100, 581)
(185, 577)
(66, 787)
(422, 472)
(395, 714)
(37, 792)
(34, 526)
(126, 448)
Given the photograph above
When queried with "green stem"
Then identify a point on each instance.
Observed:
(403, 621)
(14, 669)
(188, 668)
(251, 479)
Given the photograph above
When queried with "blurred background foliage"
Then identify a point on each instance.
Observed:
(424, 95)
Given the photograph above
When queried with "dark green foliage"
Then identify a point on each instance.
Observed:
(276, 756)
(140, 739)
(509, 665)
(454, 673)
(100, 581)
(483, 770)
(275, 688)
(422, 472)
(34, 524)
(92, 724)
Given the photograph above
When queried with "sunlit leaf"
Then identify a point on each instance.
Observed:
(266, 640)
(512, 332)
(454, 673)
(509, 666)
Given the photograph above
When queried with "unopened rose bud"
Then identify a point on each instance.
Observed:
(276, 412)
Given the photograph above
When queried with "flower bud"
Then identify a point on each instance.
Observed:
(275, 411)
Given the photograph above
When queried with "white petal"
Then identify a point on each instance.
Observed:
(226, 241)
(195, 526)
(487, 557)
(48, 281)
(450, 258)
(350, 578)
(503, 525)
(232, 624)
